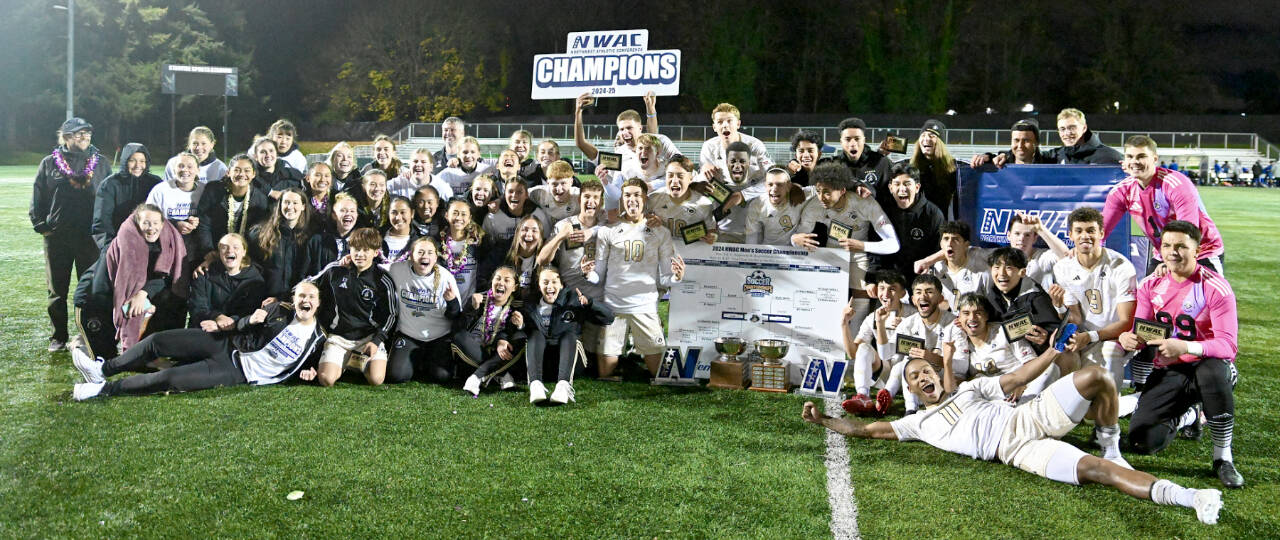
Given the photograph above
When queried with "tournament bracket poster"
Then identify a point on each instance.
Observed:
(761, 292)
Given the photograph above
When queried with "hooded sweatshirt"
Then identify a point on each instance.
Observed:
(119, 194)
(917, 227)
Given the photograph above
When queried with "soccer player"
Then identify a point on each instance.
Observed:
(648, 165)
(267, 347)
(574, 240)
(1011, 294)
(975, 421)
(1024, 231)
(629, 262)
(1098, 289)
(928, 324)
(555, 322)
(229, 205)
(557, 197)
(466, 167)
(806, 151)
(488, 333)
(963, 266)
(200, 143)
(1196, 361)
(416, 175)
(630, 127)
(782, 212)
(359, 312)
(977, 345)
(867, 168)
(1156, 196)
(501, 224)
(862, 348)
(714, 157)
(678, 206)
(429, 301)
(331, 243)
(745, 184)
(1024, 147)
(915, 220)
(1079, 145)
(120, 193)
(229, 290)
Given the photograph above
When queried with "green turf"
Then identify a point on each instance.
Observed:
(628, 460)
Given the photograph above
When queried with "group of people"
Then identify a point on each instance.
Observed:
(1258, 175)
(454, 267)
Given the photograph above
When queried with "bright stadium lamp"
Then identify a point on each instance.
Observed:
(951, 112)
(1028, 108)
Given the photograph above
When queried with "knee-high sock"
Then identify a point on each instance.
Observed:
(863, 362)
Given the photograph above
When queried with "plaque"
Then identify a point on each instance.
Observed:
(610, 160)
(769, 377)
(1017, 326)
(356, 361)
(897, 145)
(1150, 330)
(570, 244)
(693, 233)
(906, 343)
(839, 231)
(718, 191)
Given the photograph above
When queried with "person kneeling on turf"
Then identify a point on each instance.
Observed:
(975, 420)
(360, 309)
(267, 347)
(557, 320)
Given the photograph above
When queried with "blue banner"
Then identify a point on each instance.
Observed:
(989, 198)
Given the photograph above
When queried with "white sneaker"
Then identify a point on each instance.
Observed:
(90, 368)
(537, 392)
(563, 392)
(1128, 404)
(472, 385)
(86, 390)
(1207, 504)
(506, 381)
(1121, 461)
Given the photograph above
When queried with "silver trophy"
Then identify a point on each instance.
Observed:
(772, 350)
(771, 375)
(729, 348)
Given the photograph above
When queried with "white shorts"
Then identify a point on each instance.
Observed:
(646, 334)
(337, 350)
(1030, 440)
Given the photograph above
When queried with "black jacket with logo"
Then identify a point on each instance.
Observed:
(355, 305)
(58, 203)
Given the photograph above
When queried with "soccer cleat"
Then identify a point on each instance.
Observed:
(506, 381)
(56, 345)
(1228, 474)
(537, 392)
(1195, 428)
(563, 393)
(883, 400)
(472, 386)
(90, 368)
(86, 390)
(860, 405)
(1207, 502)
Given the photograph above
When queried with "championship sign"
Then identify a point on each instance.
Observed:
(758, 292)
(615, 63)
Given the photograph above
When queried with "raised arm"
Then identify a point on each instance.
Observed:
(579, 135)
(1030, 370)
(651, 112)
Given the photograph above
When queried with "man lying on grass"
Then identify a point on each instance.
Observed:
(267, 347)
(975, 420)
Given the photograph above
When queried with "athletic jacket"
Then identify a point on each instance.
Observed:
(282, 268)
(870, 169)
(470, 316)
(212, 211)
(119, 194)
(567, 316)
(219, 293)
(321, 250)
(57, 203)
(283, 177)
(1089, 151)
(917, 227)
(356, 305)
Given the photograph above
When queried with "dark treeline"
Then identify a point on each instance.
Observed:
(331, 61)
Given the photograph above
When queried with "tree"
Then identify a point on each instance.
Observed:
(906, 49)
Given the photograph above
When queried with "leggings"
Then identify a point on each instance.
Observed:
(410, 356)
(487, 358)
(537, 351)
(210, 367)
(1170, 391)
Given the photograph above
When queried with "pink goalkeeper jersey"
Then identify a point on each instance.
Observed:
(1169, 196)
(1202, 308)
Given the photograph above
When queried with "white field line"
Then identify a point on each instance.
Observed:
(844, 508)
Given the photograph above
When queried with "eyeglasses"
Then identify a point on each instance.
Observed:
(84, 134)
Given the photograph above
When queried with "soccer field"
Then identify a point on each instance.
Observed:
(628, 460)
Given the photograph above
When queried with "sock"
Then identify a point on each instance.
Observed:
(1140, 367)
(1171, 494)
(863, 362)
(1221, 427)
(1188, 418)
(1109, 440)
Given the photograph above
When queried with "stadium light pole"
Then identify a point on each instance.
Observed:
(70, 8)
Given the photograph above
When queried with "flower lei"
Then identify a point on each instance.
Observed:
(494, 317)
(61, 162)
(455, 265)
(320, 204)
(232, 220)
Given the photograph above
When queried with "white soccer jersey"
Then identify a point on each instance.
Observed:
(733, 225)
(714, 153)
(916, 326)
(613, 185)
(177, 205)
(970, 422)
(972, 277)
(459, 180)
(541, 195)
(867, 330)
(995, 357)
(568, 260)
(1098, 291)
(632, 261)
(696, 207)
(858, 214)
(770, 225)
(422, 303)
(632, 161)
(1040, 266)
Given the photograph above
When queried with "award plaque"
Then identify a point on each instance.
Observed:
(770, 375)
(356, 361)
(906, 343)
(570, 244)
(1150, 330)
(610, 160)
(1017, 326)
(839, 231)
(693, 233)
(897, 145)
(718, 191)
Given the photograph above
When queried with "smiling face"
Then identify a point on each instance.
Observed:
(924, 381)
(79, 141)
(242, 173)
(630, 131)
(678, 179)
(973, 320)
(853, 141)
(904, 189)
(375, 187)
(547, 154)
(420, 168)
(726, 125)
(530, 233)
(231, 251)
(926, 298)
(363, 258)
(520, 144)
(589, 200)
(889, 294)
(150, 224)
(425, 204)
(1022, 236)
(1140, 162)
(137, 164)
(1024, 147)
(284, 141)
(320, 179)
(481, 191)
(451, 132)
(777, 185)
(383, 151)
(1087, 236)
(291, 207)
(508, 164)
(1006, 277)
(345, 160)
(1179, 252)
(200, 145)
(928, 143)
(561, 189)
(1071, 130)
(344, 215)
(186, 172)
(633, 202)
(265, 153)
(807, 154)
(515, 194)
(549, 285)
(306, 301)
(739, 164)
(503, 284)
(458, 215)
(423, 257)
(648, 156)
(469, 155)
(829, 196)
(399, 216)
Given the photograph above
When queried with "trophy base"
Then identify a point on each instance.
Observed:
(674, 382)
(730, 375)
(769, 378)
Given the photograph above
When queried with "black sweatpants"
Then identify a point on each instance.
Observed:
(410, 357)
(1170, 391)
(537, 351)
(487, 357)
(97, 328)
(63, 249)
(209, 357)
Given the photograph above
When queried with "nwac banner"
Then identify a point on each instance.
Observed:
(989, 198)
